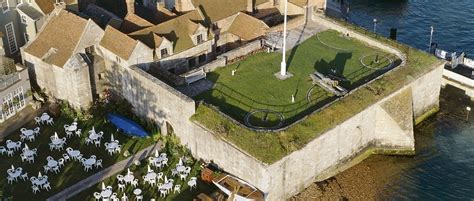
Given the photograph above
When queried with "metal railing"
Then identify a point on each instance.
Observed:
(8, 80)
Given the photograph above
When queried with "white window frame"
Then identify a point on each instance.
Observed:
(23, 19)
(27, 37)
(15, 49)
(8, 5)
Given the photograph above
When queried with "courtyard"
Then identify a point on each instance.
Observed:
(72, 171)
(255, 97)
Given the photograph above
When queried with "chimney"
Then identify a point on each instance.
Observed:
(58, 7)
(130, 6)
(184, 5)
(251, 6)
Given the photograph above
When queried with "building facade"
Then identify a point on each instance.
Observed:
(15, 88)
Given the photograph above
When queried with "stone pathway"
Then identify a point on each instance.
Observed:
(104, 174)
(14, 124)
(296, 36)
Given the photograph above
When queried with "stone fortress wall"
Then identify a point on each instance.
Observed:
(384, 126)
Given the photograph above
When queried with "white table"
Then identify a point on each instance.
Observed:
(90, 161)
(11, 145)
(28, 133)
(72, 128)
(45, 117)
(137, 191)
(106, 193)
(28, 153)
(15, 174)
(180, 168)
(52, 163)
(167, 186)
(57, 141)
(128, 178)
(150, 176)
(41, 181)
(112, 145)
(93, 136)
(74, 153)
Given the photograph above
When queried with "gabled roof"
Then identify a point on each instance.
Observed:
(46, 6)
(133, 22)
(57, 41)
(178, 30)
(219, 9)
(29, 11)
(247, 27)
(118, 42)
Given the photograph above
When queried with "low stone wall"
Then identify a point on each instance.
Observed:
(292, 24)
(386, 126)
(224, 59)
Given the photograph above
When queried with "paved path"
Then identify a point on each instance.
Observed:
(106, 173)
(295, 36)
(21, 119)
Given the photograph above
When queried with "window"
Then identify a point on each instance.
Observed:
(199, 39)
(202, 58)
(192, 62)
(117, 59)
(27, 38)
(164, 52)
(5, 6)
(11, 37)
(23, 19)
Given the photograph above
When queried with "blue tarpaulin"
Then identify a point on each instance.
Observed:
(126, 125)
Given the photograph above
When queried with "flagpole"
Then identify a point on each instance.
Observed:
(283, 62)
(431, 38)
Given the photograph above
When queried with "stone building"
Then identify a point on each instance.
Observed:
(62, 60)
(14, 88)
(20, 21)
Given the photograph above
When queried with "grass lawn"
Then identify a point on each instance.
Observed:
(280, 144)
(254, 87)
(174, 152)
(73, 171)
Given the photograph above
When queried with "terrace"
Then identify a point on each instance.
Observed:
(72, 172)
(279, 143)
(256, 98)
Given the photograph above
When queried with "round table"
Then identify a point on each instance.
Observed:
(57, 141)
(52, 163)
(128, 178)
(45, 117)
(74, 153)
(15, 174)
(40, 181)
(112, 145)
(28, 133)
(72, 128)
(137, 191)
(180, 168)
(11, 145)
(150, 175)
(28, 153)
(93, 136)
(90, 161)
(106, 193)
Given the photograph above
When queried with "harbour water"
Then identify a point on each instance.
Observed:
(443, 168)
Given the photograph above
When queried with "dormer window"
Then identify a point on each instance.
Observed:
(164, 52)
(117, 59)
(199, 39)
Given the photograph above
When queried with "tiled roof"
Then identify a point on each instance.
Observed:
(46, 6)
(133, 22)
(247, 27)
(118, 42)
(219, 9)
(177, 30)
(57, 41)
